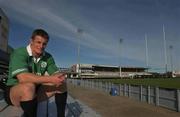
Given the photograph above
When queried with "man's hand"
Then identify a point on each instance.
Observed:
(58, 79)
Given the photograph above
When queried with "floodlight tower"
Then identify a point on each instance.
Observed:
(147, 54)
(165, 49)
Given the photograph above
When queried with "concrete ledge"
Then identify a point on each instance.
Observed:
(75, 108)
(79, 109)
(9, 111)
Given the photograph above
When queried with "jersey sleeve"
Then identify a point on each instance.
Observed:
(52, 68)
(18, 64)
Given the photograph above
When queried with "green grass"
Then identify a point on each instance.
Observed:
(159, 82)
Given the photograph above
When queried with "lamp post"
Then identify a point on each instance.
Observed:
(171, 57)
(79, 33)
(120, 70)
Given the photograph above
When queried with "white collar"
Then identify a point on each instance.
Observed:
(29, 50)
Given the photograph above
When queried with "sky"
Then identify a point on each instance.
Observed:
(103, 23)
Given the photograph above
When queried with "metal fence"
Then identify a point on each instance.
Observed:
(164, 97)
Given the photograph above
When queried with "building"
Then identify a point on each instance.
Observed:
(107, 71)
(4, 48)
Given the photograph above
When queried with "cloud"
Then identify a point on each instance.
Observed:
(34, 16)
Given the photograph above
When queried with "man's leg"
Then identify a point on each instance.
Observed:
(24, 95)
(48, 90)
(60, 99)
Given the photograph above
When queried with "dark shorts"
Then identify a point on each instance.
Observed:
(7, 95)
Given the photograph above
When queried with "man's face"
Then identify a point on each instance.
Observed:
(38, 45)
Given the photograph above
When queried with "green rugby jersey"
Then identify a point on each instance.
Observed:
(21, 60)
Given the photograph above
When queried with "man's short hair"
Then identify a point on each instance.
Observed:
(40, 32)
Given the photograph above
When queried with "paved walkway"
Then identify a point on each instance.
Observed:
(117, 106)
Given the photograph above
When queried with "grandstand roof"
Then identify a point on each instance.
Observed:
(110, 66)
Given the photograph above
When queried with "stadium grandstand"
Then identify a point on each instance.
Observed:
(5, 49)
(107, 71)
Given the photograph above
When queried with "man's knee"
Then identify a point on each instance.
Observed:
(22, 92)
(28, 89)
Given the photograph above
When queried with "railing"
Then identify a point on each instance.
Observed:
(164, 97)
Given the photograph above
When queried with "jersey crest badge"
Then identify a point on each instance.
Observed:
(43, 64)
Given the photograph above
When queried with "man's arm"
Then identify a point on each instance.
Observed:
(56, 79)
